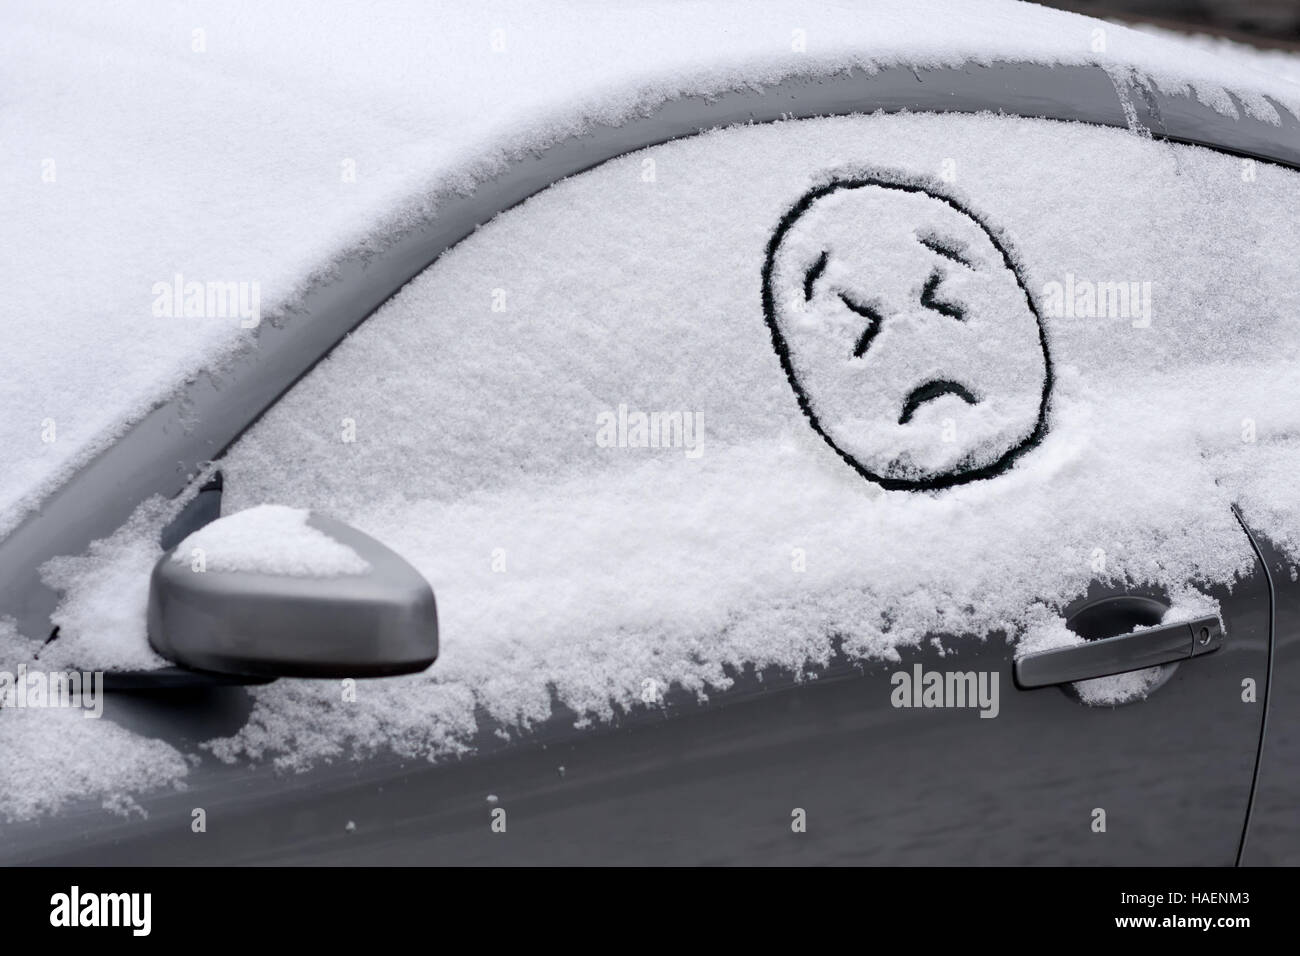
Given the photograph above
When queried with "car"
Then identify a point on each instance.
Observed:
(812, 435)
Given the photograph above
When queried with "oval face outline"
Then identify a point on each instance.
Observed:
(969, 468)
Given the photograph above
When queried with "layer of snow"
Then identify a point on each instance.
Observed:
(1284, 64)
(560, 563)
(100, 620)
(569, 569)
(269, 539)
(259, 143)
(55, 756)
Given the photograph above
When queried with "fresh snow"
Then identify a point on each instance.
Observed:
(153, 144)
(269, 539)
(56, 757)
(563, 564)
(517, 466)
(1284, 64)
(100, 619)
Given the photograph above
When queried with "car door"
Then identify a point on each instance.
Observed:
(697, 606)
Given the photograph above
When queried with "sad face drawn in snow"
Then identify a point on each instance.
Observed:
(907, 334)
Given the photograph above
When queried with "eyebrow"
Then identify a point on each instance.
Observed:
(812, 275)
(946, 248)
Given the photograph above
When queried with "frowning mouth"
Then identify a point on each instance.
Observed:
(929, 392)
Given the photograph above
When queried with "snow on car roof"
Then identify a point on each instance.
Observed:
(1283, 63)
(153, 146)
(573, 567)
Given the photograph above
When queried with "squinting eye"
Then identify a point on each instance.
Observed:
(873, 318)
(936, 305)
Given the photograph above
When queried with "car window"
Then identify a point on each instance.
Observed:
(747, 398)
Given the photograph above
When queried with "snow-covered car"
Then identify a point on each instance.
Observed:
(832, 433)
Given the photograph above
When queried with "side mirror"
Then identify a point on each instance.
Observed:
(280, 592)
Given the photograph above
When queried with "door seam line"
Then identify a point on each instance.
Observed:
(1268, 682)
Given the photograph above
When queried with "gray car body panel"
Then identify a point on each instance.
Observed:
(1273, 835)
(717, 783)
(688, 783)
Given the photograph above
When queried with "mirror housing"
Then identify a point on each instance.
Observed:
(377, 623)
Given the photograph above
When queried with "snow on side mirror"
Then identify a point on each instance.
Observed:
(282, 592)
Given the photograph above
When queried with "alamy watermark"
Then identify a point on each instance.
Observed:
(38, 689)
(181, 299)
(922, 688)
(1086, 299)
(666, 429)
(133, 911)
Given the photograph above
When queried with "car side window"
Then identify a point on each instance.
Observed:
(746, 398)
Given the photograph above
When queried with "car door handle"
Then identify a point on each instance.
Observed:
(1165, 644)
